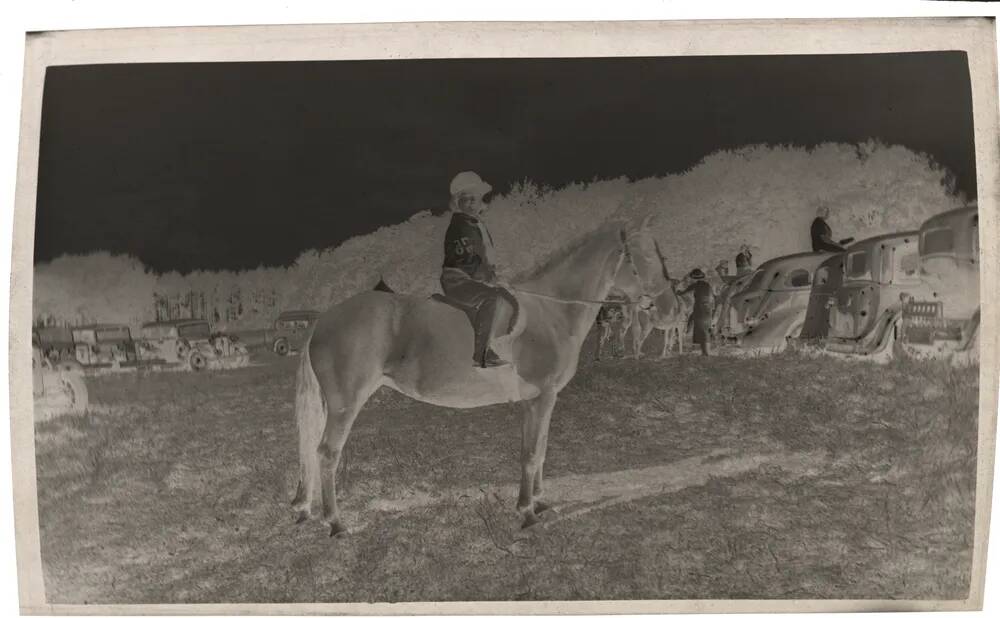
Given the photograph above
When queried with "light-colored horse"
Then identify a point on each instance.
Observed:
(664, 309)
(423, 349)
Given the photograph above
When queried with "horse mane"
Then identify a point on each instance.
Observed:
(557, 256)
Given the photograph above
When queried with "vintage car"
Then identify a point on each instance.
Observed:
(55, 342)
(100, 346)
(776, 292)
(189, 344)
(773, 307)
(291, 330)
(943, 320)
(57, 388)
(826, 282)
(865, 309)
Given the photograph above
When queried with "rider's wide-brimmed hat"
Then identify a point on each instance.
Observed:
(469, 182)
(697, 274)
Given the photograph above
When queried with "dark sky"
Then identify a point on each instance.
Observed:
(232, 165)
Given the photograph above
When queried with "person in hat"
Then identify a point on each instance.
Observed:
(468, 275)
(744, 261)
(822, 235)
(702, 315)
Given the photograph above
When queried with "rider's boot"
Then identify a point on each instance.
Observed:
(483, 356)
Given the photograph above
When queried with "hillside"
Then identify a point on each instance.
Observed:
(764, 196)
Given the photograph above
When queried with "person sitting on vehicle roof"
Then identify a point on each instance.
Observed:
(469, 271)
(822, 235)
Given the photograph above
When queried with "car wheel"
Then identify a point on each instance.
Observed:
(281, 347)
(197, 361)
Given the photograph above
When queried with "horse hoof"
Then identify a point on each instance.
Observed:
(338, 530)
(530, 519)
(543, 507)
(302, 517)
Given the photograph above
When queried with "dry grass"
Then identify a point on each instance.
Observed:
(177, 490)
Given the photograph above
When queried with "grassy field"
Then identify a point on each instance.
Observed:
(688, 478)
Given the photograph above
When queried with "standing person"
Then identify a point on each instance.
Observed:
(723, 269)
(744, 261)
(468, 275)
(702, 315)
(822, 235)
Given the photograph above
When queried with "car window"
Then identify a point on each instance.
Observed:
(798, 278)
(113, 334)
(84, 336)
(938, 240)
(194, 331)
(157, 332)
(857, 265)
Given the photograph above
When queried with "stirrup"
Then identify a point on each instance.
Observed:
(490, 359)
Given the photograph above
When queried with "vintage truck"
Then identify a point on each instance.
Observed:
(941, 320)
(55, 342)
(771, 308)
(58, 388)
(865, 310)
(102, 346)
(291, 330)
(189, 344)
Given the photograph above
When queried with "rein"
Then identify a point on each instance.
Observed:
(584, 301)
(574, 301)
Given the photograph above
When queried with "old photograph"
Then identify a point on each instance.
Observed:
(590, 327)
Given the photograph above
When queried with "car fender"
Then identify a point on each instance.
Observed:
(773, 330)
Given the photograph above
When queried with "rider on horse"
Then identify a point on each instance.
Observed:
(468, 274)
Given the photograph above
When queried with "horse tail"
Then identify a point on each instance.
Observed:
(310, 416)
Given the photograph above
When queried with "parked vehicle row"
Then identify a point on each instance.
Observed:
(177, 344)
(914, 292)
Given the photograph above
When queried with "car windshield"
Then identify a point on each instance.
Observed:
(757, 281)
(798, 278)
(939, 240)
(857, 265)
(159, 331)
(199, 330)
(113, 334)
(84, 336)
(293, 324)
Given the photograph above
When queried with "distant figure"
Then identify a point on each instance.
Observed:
(468, 274)
(382, 286)
(723, 269)
(744, 261)
(702, 315)
(822, 235)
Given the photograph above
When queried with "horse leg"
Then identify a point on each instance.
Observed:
(331, 447)
(602, 337)
(667, 334)
(680, 340)
(537, 414)
(645, 330)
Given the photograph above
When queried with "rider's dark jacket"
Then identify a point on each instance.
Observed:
(465, 248)
(821, 235)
